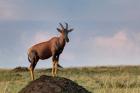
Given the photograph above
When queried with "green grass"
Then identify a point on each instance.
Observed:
(120, 79)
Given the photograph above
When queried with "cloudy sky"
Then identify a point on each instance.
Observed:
(106, 32)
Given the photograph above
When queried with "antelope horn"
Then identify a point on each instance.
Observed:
(66, 25)
(61, 26)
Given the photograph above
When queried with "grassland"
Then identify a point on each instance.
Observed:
(120, 79)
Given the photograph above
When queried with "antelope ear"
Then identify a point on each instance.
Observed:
(71, 30)
(59, 30)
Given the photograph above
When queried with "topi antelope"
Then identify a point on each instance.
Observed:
(52, 48)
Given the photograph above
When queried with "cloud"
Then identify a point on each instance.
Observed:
(21, 10)
(67, 55)
(53, 10)
(8, 10)
(121, 47)
(120, 44)
(88, 48)
(42, 36)
(119, 40)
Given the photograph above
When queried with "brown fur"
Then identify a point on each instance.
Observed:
(51, 48)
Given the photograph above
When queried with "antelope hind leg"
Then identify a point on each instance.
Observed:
(31, 73)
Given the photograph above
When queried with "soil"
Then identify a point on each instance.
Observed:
(49, 84)
(20, 69)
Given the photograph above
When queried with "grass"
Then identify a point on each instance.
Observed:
(120, 79)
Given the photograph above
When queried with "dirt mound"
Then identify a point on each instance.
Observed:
(49, 84)
(20, 69)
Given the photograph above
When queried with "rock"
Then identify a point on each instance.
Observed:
(49, 84)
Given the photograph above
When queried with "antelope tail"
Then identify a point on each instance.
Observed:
(28, 55)
(29, 59)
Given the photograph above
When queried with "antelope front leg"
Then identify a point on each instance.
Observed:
(56, 64)
(53, 68)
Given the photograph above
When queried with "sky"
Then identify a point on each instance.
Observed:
(106, 32)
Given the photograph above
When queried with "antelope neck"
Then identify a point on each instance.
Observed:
(62, 41)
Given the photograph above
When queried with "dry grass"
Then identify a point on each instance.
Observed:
(121, 79)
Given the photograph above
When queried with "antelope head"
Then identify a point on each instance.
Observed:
(64, 31)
